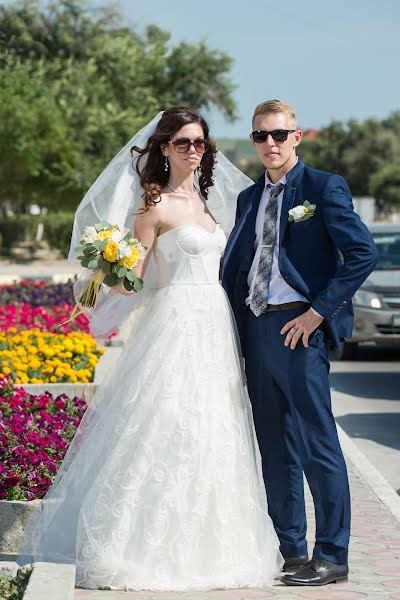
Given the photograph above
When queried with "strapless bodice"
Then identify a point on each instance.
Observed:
(189, 255)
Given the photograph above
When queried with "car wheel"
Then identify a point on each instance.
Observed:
(346, 351)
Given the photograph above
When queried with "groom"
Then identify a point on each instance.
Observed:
(295, 258)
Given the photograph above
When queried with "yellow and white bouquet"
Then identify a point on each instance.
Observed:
(112, 254)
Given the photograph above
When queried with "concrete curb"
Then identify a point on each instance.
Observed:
(51, 581)
(370, 474)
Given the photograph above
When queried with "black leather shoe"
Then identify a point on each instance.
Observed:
(317, 572)
(294, 562)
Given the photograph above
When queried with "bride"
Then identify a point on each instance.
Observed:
(161, 488)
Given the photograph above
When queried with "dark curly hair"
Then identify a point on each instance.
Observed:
(153, 177)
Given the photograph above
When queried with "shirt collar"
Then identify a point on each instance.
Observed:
(283, 179)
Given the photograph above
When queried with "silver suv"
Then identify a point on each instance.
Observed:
(377, 302)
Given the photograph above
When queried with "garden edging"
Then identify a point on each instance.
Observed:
(51, 581)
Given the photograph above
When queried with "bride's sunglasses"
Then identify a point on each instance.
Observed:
(184, 144)
(279, 135)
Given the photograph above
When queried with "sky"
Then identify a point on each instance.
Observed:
(336, 59)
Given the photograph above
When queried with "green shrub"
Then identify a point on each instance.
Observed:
(13, 589)
(17, 229)
(22, 228)
(57, 230)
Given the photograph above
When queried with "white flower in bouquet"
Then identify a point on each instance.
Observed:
(89, 234)
(124, 249)
(117, 235)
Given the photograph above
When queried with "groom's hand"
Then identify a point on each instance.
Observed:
(301, 327)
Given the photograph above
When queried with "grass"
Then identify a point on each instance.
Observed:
(13, 589)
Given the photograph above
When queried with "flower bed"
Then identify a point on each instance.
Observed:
(33, 356)
(37, 293)
(23, 316)
(35, 432)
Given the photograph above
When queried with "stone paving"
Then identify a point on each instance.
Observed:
(374, 561)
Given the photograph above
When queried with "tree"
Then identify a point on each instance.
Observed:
(76, 86)
(385, 185)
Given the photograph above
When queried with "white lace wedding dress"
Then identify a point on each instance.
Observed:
(162, 487)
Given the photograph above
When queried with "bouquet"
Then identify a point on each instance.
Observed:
(112, 254)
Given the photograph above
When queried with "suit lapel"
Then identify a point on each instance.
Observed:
(245, 228)
(287, 203)
(289, 196)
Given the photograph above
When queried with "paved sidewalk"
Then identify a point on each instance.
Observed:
(55, 270)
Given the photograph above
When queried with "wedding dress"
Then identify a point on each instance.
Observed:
(165, 490)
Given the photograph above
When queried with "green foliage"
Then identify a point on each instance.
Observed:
(17, 229)
(76, 85)
(57, 230)
(13, 589)
(357, 151)
(385, 184)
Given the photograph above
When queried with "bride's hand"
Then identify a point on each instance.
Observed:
(119, 289)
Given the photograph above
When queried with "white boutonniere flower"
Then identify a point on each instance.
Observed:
(302, 212)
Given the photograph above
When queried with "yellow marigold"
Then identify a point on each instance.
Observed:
(110, 252)
(130, 261)
(103, 235)
(53, 379)
(6, 370)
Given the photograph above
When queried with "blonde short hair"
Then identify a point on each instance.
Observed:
(275, 106)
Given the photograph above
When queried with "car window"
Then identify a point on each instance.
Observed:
(388, 245)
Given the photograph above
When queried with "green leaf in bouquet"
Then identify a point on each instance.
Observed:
(127, 285)
(79, 248)
(120, 270)
(85, 262)
(111, 279)
(131, 276)
(89, 249)
(138, 284)
(93, 263)
(102, 225)
(80, 257)
(106, 267)
(100, 244)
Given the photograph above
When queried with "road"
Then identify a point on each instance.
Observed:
(366, 404)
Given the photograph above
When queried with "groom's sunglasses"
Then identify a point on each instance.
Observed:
(279, 135)
(184, 145)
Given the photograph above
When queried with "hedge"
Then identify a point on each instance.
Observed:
(22, 228)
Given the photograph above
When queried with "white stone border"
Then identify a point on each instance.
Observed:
(378, 484)
(50, 581)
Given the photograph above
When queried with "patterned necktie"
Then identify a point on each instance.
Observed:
(259, 300)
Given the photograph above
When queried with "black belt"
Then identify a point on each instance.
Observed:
(286, 306)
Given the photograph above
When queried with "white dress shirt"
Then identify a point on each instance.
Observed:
(279, 291)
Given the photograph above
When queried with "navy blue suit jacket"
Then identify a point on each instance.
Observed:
(325, 258)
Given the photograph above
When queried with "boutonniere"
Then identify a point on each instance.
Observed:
(302, 212)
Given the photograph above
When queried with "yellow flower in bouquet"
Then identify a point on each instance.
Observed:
(111, 254)
(103, 235)
(130, 261)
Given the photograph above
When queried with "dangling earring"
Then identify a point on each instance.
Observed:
(166, 165)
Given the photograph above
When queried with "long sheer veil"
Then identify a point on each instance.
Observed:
(115, 197)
